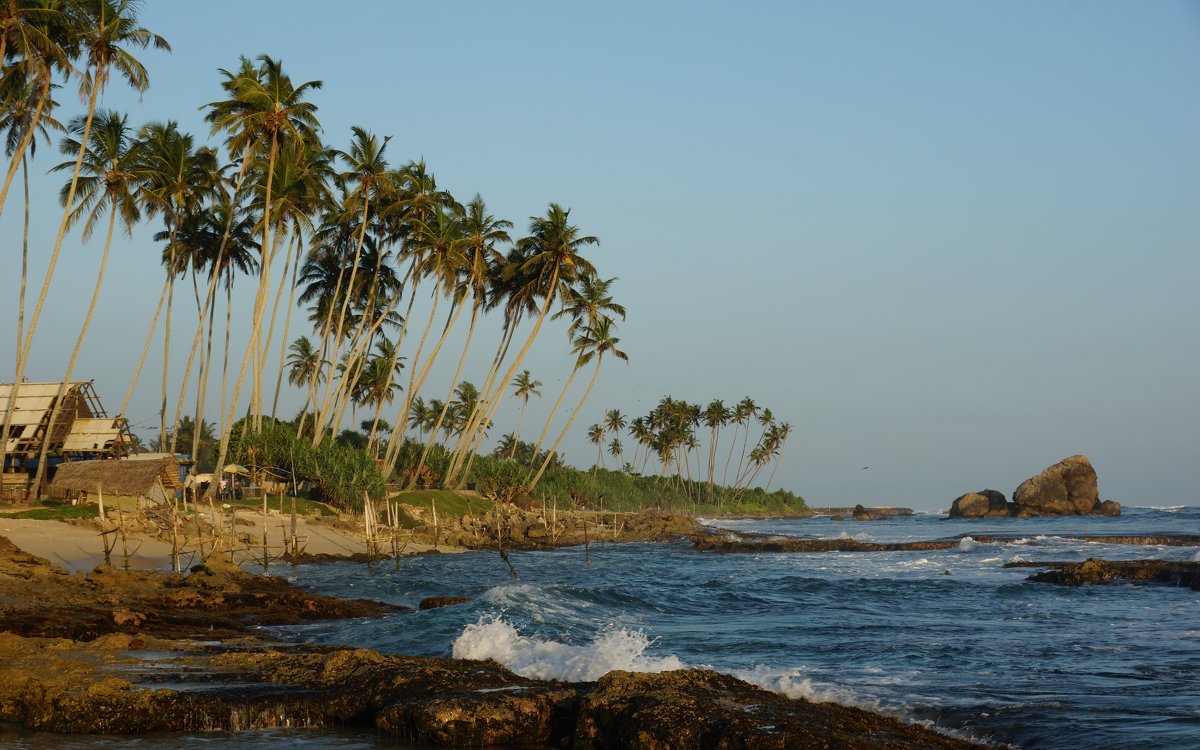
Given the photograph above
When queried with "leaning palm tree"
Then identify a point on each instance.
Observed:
(105, 31)
(106, 179)
(595, 341)
(524, 387)
(264, 107)
(586, 303)
(552, 263)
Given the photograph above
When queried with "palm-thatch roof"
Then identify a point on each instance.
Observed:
(122, 477)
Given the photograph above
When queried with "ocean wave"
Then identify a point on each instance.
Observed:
(794, 683)
(491, 637)
(967, 544)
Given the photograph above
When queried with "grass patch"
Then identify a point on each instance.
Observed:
(448, 501)
(55, 512)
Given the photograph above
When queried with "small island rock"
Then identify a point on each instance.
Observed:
(985, 503)
(1066, 488)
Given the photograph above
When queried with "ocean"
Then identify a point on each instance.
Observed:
(949, 638)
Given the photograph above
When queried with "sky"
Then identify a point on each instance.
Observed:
(952, 241)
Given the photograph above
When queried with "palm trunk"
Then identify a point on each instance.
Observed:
(517, 436)
(554, 411)
(145, 350)
(87, 322)
(260, 305)
(465, 437)
(202, 379)
(23, 351)
(453, 384)
(570, 421)
(778, 460)
(495, 397)
(287, 325)
(266, 344)
(20, 298)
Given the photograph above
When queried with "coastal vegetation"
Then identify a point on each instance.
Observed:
(383, 266)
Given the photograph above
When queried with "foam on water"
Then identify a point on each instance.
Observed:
(491, 637)
(967, 544)
(794, 683)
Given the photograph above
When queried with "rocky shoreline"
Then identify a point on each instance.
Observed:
(720, 540)
(127, 652)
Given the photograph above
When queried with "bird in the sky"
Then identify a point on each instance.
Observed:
(864, 468)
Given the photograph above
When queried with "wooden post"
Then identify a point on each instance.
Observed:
(295, 551)
(433, 506)
(587, 547)
(266, 557)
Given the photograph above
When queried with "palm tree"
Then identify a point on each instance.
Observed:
(595, 341)
(107, 184)
(716, 415)
(105, 31)
(524, 386)
(614, 421)
(305, 365)
(595, 435)
(586, 304)
(264, 107)
(742, 412)
(615, 449)
(551, 264)
(175, 178)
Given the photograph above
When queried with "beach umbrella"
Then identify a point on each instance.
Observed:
(236, 469)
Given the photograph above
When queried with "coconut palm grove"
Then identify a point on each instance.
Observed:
(361, 270)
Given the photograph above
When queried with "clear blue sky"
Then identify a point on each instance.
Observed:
(952, 241)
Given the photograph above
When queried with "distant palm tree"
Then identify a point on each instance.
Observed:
(616, 450)
(305, 365)
(595, 435)
(524, 386)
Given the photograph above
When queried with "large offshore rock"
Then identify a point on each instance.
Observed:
(980, 505)
(1066, 488)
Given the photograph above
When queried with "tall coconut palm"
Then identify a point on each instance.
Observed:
(595, 341)
(304, 364)
(586, 304)
(106, 179)
(20, 105)
(614, 421)
(264, 107)
(103, 34)
(552, 264)
(36, 39)
(742, 414)
(716, 415)
(524, 386)
(176, 178)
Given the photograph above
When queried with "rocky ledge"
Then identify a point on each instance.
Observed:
(1094, 570)
(1068, 487)
(140, 656)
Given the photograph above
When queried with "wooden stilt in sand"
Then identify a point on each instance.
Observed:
(433, 506)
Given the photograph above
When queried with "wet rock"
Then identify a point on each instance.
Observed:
(1095, 570)
(704, 709)
(982, 504)
(862, 514)
(1066, 488)
(435, 602)
(720, 540)
(1109, 508)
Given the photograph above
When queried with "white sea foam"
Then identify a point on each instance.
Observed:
(617, 648)
(1165, 508)
(795, 684)
(1196, 557)
(967, 544)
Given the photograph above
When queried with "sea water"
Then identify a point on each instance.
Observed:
(950, 638)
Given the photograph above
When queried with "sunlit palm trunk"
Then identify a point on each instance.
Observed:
(778, 460)
(260, 306)
(517, 436)
(23, 348)
(729, 456)
(202, 379)
(137, 371)
(325, 401)
(87, 322)
(554, 412)
(465, 436)
(412, 482)
(20, 299)
(570, 420)
(416, 386)
(287, 325)
(266, 344)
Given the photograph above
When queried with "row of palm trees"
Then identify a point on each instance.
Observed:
(349, 236)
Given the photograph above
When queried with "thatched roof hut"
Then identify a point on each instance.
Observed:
(139, 478)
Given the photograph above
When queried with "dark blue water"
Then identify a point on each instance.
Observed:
(949, 638)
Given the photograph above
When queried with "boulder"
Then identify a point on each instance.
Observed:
(1066, 488)
(980, 505)
(1109, 508)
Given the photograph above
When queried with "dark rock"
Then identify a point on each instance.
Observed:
(1066, 488)
(1109, 508)
(435, 602)
(698, 708)
(1095, 570)
(862, 514)
(985, 503)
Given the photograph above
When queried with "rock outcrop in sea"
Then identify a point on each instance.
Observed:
(981, 504)
(1066, 488)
